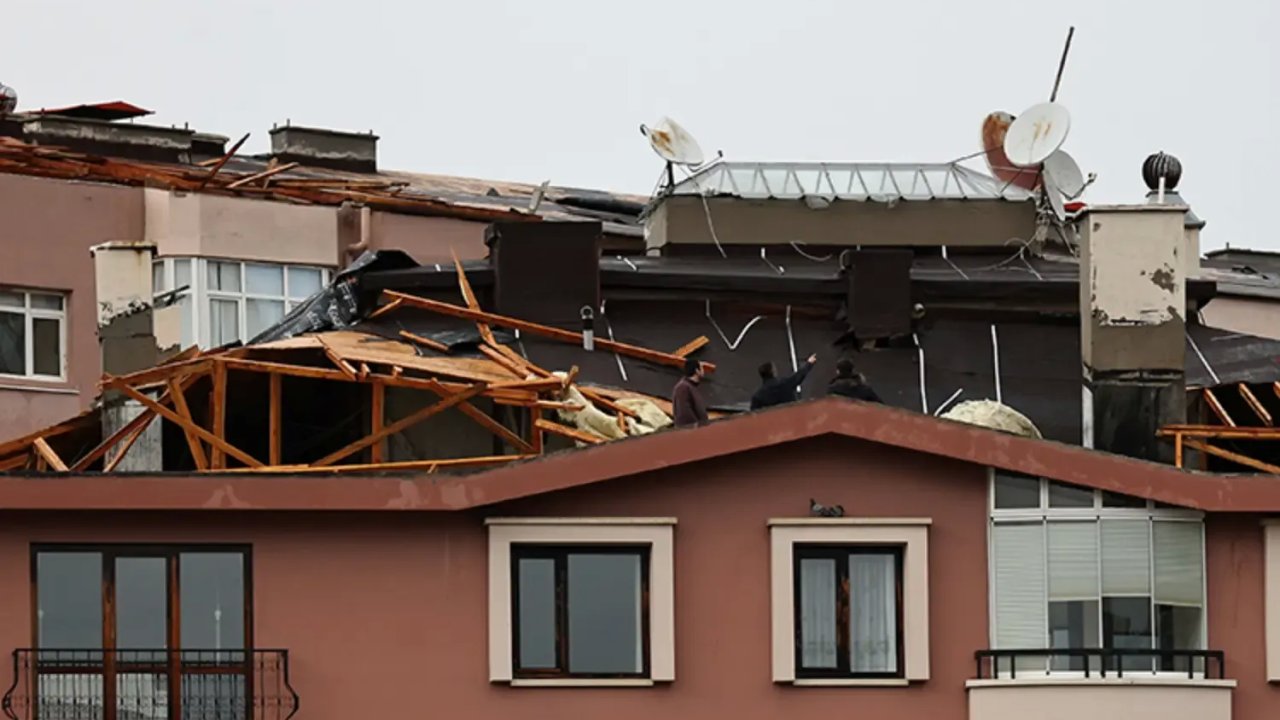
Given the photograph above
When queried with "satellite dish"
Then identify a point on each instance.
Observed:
(1036, 134)
(1054, 194)
(994, 128)
(673, 143)
(8, 99)
(1061, 171)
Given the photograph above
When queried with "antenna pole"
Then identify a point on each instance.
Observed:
(1062, 64)
(671, 174)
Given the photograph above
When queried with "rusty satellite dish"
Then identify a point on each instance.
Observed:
(994, 128)
(1036, 134)
(673, 143)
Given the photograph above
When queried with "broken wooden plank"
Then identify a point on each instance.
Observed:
(377, 416)
(506, 363)
(464, 313)
(1237, 458)
(1254, 404)
(692, 346)
(535, 432)
(1221, 433)
(193, 442)
(389, 307)
(425, 342)
(218, 413)
(469, 297)
(565, 431)
(502, 431)
(115, 461)
(217, 442)
(269, 172)
(221, 161)
(1221, 412)
(49, 455)
(337, 359)
(448, 400)
(606, 403)
(274, 428)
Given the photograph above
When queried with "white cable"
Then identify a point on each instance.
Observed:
(924, 395)
(791, 341)
(732, 345)
(947, 402)
(995, 359)
(630, 264)
(706, 208)
(795, 245)
(776, 268)
(609, 326)
(1203, 360)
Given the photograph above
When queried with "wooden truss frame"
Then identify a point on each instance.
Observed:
(1198, 437)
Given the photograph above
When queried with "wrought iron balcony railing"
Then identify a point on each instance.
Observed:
(150, 685)
(1098, 662)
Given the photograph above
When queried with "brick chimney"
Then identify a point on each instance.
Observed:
(546, 272)
(1133, 274)
(126, 337)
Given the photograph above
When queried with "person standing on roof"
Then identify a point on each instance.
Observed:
(687, 406)
(852, 384)
(777, 391)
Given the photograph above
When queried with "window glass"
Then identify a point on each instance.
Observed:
(224, 322)
(303, 282)
(818, 645)
(536, 604)
(264, 279)
(1126, 624)
(1016, 492)
(1179, 628)
(13, 343)
(69, 602)
(261, 314)
(605, 613)
(46, 350)
(141, 603)
(873, 613)
(12, 300)
(157, 278)
(1073, 624)
(181, 273)
(224, 276)
(212, 594)
(1069, 496)
(41, 301)
(1116, 500)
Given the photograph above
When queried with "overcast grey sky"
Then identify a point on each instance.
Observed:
(554, 89)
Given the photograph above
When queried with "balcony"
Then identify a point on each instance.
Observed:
(150, 685)
(1135, 684)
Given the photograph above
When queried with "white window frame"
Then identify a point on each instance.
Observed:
(1097, 513)
(657, 533)
(201, 294)
(29, 315)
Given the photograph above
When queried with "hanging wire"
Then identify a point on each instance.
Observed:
(732, 345)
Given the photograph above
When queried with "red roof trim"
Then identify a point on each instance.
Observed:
(899, 428)
(113, 110)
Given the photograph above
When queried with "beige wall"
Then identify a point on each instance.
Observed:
(1100, 700)
(46, 229)
(428, 239)
(1252, 316)
(683, 220)
(241, 228)
(1133, 287)
(1272, 599)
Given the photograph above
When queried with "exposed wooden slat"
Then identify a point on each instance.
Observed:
(389, 307)
(269, 172)
(274, 428)
(125, 446)
(377, 416)
(535, 432)
(218, 413)
(49, 455)
(566, 431)
(546, 331)
(161, 373)
(1255, 405)
(504, 361)
(428, 465)
(1237, 458)
(469, 297)
(495, 427)
(217, 442)
(1177, 449)
(692, 346)
(193, 442)
(1221, 412)
(605, 402)
(448, 401)
(425, 342)
(222, 161)
(341, 363)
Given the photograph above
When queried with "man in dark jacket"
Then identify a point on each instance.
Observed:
(687, 405)
(777, 391)
(851, 384)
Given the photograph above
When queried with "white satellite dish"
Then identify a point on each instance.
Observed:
(673, 143)
(1061, 170)
(1036, 134)
(1054, 194)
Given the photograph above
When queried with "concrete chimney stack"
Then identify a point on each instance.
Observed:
(126, 337)
(1133, 328)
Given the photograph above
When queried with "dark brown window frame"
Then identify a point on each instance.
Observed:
(840, 554)
(559, 554)
(171, 553)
